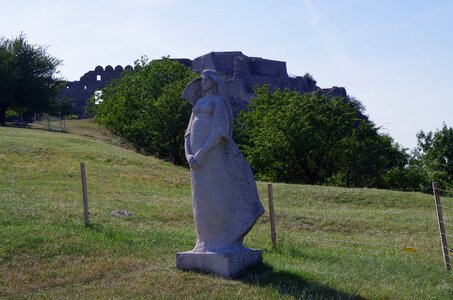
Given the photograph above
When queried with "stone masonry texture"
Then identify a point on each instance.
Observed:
(241, 73)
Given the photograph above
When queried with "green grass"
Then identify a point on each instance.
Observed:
(84, 127)
(333, 242)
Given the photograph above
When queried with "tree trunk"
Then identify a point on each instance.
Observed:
(3, 110)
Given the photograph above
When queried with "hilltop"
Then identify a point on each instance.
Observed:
(333, 242)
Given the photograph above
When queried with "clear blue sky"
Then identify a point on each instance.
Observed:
(394, 56)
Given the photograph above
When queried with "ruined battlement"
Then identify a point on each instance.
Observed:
(227, 63)
(83, 89)
(241, 73)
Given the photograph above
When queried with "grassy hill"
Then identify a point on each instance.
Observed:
(333, 242)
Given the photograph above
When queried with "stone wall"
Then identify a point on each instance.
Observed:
(83, 89)
(241, 73)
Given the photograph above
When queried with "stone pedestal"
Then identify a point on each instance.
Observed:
(226, 264)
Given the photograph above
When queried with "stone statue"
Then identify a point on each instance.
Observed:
(224, 195)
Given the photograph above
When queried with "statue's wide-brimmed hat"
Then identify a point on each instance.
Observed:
(193, 91)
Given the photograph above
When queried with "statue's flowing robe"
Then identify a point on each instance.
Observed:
(224, 194)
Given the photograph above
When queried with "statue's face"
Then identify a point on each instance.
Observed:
(207, 83)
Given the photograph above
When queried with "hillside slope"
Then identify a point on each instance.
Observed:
(333, 242)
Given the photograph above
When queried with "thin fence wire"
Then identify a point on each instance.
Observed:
(50, 123)
(404, 244)
(445, 193)
(411, 190)
(449, 251)
(371, 245)
(368, 251)
(446, 207)
(366, 246)
(313, 228)
(447, 224)
(447, 235)
(399, 240)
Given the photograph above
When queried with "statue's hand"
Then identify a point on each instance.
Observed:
(199, 156)
(192, 162)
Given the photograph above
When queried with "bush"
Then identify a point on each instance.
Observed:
(145, 107)
(28, 78)
(435, 153)
(314, 138)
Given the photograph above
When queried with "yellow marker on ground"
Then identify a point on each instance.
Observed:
(410, 250)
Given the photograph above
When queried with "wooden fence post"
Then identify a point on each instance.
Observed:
(271, 214)
(85, 194)
(440, 221)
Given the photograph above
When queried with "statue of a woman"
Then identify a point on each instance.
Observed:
(224, 195)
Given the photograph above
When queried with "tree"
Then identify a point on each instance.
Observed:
(435, 151)
(365, 157)
(409, 175)
(313, 138)
(27, 77)
(145, 107)
(310, 80)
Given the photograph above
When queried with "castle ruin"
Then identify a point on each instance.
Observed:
(81, 90)
(241, 74)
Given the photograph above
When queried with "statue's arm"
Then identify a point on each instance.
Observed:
(189, 156)
(187, 149)
(212, 141)
(219, 131)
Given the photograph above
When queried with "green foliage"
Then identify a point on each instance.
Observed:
(435, 152)
(145, 107)
(313, 138)
(409, 175)
(27, 77)
(63, 106)
(10, 113)
(310, 79)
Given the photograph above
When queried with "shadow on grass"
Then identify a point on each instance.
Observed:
(290, 284)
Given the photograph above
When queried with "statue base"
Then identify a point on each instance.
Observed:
(228, 264)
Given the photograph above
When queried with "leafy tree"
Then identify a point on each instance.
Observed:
(409, 175)
(145, 107)
(435, 152)
(310, 80)
(313, 138)
(27, 77)
(366, 157)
